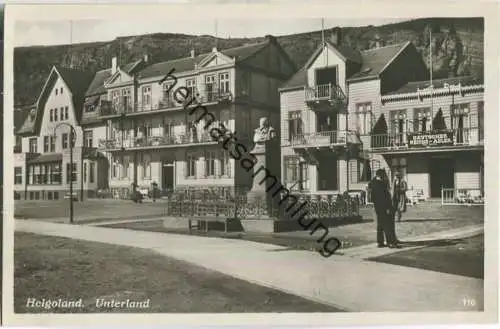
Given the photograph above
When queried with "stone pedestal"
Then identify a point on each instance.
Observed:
(266, 176)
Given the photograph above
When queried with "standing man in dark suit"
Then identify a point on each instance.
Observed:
(382, 202)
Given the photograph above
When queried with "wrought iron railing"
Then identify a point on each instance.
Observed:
(322, 138)
(177, 139)
(455, 137)
(328, 92)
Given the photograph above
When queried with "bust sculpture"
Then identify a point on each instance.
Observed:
(263, 134)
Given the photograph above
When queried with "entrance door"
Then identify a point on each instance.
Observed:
(167, 174)
(327, 172)
(442, 175)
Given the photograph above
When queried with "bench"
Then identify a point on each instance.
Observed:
(206, 219)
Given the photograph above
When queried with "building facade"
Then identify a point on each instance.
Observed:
(50, 136)
(150, 136)
(347, 113)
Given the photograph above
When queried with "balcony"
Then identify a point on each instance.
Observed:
(155, 141)
(326, 98)
(456, 138)
(215, 96)
(323, 139)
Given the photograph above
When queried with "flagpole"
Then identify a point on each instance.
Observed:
(431, 86)
(323, 43)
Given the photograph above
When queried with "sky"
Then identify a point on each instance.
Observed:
(31, 33)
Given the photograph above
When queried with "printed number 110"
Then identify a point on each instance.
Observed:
(470, 302)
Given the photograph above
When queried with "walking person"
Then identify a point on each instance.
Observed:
(399, 196)
(381, 198)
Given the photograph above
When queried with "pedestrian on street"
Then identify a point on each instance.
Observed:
(399, 196)
(382, 202)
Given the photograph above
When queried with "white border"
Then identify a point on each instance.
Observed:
(350, 9)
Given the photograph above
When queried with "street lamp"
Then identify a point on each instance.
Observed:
(71, 135)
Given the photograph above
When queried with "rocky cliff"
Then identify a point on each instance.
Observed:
(457, 49)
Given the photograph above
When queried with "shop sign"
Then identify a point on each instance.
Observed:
(430, 139)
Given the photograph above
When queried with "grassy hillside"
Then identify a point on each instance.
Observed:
(457, 49)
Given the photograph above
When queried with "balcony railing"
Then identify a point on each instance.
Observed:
(328, 92)
(209, 96)
(322, 138)
(134, 142)
(455, 137)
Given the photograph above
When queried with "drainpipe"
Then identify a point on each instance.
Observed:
(347, 135)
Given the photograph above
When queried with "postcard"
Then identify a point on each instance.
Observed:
(251, 164)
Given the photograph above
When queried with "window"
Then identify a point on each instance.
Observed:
(326, 122)
(56, 195)
(55, 114)
(115, 98)
(91, 172)
(85, 172)
(33, 145)
(191, 166)
(224, 82)
(52, 143)
(115, 169)
(146, 96)
(461, 122)
(291, 164)
(18, 175)
(295, 125)
(88, 138)
(70, 175)
(480, 119)
(209, 164)
(125, 167)
(146, 166)
(210, 87)
(364, 118)
(49, 195)
(66, 112)
(295, 173)
(398, 165)
(55, 173)
(364, 170)
(57, 91)
(399, 127)
(224, 164)
(46, 144)
(64, 141)
(61, 90)
(422, 120)
(63, 116)
(51, 115)
(190, 85)
(126, 99)
(166, 93)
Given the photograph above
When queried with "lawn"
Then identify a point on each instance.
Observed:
(53, 268)
(88, 210)
(461, 257)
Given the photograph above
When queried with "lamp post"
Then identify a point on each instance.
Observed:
(71, 134)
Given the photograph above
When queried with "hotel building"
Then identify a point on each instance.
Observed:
(130, 130)
(347, 113)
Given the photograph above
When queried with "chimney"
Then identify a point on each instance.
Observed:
(336, 37)
(193, 53)
(214, 49)
(113, 65)
(146, 58)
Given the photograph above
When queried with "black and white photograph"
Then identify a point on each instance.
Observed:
(257, 165)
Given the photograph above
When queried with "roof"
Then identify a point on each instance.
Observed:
(77, 82)
(97, 84)
(299, 79)
(188, 63)
(47, 157)
(412, 87)
(375, 60)
(20, 115)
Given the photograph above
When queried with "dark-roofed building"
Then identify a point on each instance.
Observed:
(347, 113)
(141, 122)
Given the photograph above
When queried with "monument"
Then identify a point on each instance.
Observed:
(266, 156)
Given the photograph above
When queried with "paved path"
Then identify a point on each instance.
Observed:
(344, 282)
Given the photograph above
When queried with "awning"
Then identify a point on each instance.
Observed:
(45, 158)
